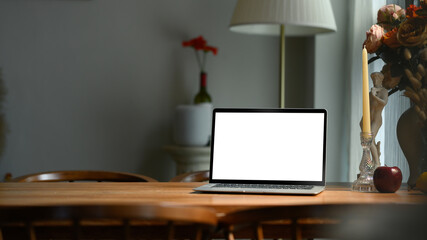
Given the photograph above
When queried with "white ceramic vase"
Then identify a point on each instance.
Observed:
(193, 124)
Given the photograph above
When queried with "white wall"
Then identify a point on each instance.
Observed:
(92, 84)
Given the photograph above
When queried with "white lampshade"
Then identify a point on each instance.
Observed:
(300, 17)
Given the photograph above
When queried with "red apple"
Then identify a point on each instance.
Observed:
(387, 179)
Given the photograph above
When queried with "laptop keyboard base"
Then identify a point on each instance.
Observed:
(262, 186)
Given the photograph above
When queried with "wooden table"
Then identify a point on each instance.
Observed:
(35, 194)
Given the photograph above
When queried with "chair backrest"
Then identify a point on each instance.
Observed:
(106, 221)
(84, 175)
(199, 176)
(341, 221)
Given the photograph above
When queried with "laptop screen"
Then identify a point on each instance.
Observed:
(268, 145)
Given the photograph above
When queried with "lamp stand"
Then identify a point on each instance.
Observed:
(282, 66)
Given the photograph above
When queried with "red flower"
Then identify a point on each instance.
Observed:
(199, 43)
(411, 11)
(390, 39)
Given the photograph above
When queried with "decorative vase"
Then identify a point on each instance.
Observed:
(413, 142)
(203, 95)
(192, 125)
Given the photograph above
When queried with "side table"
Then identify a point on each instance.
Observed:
(189, 159)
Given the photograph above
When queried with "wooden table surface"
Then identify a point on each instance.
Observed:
(34, 194)
(88, 193)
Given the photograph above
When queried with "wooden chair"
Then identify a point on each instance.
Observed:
(71, 176)
(199, 176)
(106, 222)
(338, 221)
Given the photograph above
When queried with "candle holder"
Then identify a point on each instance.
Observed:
(365, 181)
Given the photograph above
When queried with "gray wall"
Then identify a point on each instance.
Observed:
(331, 75)
(92, 84)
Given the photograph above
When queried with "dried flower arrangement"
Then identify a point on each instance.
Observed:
(399, 38)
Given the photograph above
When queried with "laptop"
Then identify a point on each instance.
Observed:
(267, 151)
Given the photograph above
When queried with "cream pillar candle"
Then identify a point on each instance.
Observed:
(366, 109)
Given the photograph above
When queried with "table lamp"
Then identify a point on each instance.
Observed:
(272, 17)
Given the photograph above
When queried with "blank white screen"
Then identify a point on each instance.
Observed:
(268, 146)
